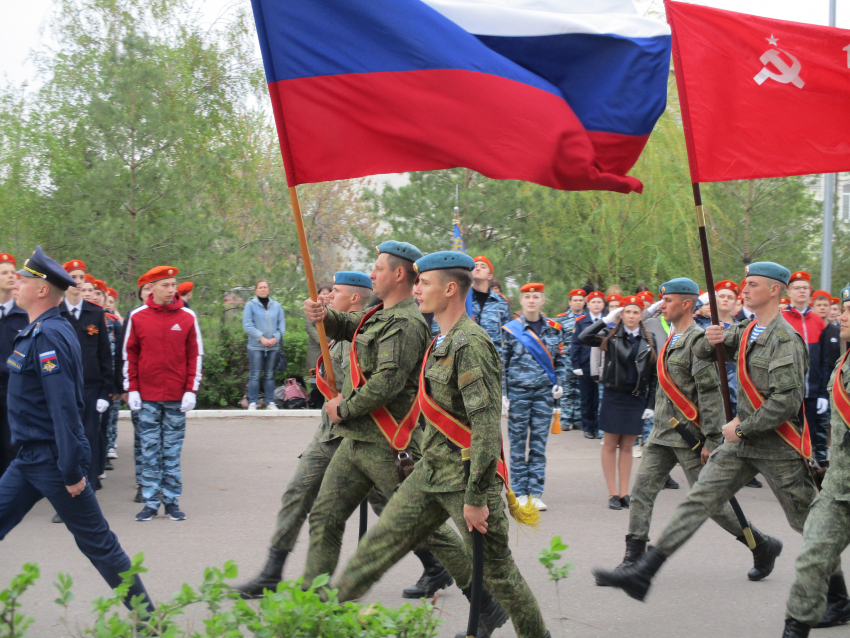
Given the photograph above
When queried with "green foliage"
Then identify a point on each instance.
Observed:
(13, 624)
(549, 557)
(225, 370)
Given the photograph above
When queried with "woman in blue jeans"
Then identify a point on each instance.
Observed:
(264, 323)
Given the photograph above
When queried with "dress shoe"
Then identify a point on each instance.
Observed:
(754, 482)
(589, 435)
(670, 484)
(625, 501)
(614, 503)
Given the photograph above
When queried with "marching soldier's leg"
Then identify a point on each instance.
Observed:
(656, 463)
(519, 419)
(792, 485)
(825, 535)
(501, 575)
(343, 489)
(296, 503)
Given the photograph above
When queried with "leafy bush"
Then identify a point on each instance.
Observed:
(290, 611)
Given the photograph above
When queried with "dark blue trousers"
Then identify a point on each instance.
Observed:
(589, 391)
(91, 427)
(818, 429)
(34, 475)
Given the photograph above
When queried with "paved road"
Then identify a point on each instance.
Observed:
(235, 471)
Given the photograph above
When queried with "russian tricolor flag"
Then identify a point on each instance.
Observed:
(563, 93)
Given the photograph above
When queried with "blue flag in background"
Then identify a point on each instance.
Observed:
(458, 245)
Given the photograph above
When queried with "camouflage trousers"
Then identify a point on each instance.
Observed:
(411, 516)
(355, 470)
(112, 425)
(137, 446)
(722, 477)
(529, 418)
(162, 428)
(571, 401)
(825, 535)
(656, 463)
(303, 487)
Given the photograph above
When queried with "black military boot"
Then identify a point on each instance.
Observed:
(837, 603)
(765, 554)
(795, 629)
(634, 579)
(268, 578)
(634, 550)
(492, 615)
(434, 578)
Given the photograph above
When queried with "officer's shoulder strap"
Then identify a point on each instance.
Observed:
(580, 317)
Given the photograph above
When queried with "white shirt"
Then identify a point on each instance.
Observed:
(634, 332)
(74, 310)
(749, 314)
(7, 307)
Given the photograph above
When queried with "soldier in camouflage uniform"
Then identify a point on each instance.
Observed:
(818, 599)
(462, 377)
(697, 380)
(489, 309)
(777, 361)
(571, 400)
(533, 363)
(389, 345)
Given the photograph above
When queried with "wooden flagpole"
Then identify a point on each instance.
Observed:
(311, 285)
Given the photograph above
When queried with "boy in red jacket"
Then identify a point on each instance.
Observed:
(162, 368)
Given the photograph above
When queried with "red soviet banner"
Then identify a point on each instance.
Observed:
(760, 97)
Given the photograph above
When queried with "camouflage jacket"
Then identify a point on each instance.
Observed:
(463, 376)
(342, 369)
(777, 363)
(492, 317)
(390, 347)
(520, 369)
(837, 480)
(698, 380)
(568, 323)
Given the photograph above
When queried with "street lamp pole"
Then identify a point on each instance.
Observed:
(828, 201)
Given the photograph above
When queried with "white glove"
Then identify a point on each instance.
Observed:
(188, 402)
(135, 401)
(557, 392)
(102, 405)
(611, 317)
(578, 372)
(823, 405)
(506, 404)
(648, 414)
(651, 310)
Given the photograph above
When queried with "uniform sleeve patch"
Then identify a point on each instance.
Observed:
(49, 362)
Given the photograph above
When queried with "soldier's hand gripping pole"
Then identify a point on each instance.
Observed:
(696, 445)
(477, 585)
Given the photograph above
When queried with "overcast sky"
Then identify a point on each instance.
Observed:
(24, 23)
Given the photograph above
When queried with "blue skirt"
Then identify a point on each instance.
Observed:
(621, 412)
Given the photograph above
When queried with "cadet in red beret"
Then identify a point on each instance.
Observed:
(490, 310)
(580, 363)
(185, 291)
(726, 293)
(13, 319)
(614, 301)
(571, 400)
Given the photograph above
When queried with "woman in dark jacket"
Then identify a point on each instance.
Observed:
(629, 380)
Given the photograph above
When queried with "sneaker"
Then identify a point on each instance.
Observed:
(271, 406)
(174, 512)
(637, 451)
(252, 406)
(146, 514)
(102, 477)
(522, 500)
(112, 454)
(540, 505)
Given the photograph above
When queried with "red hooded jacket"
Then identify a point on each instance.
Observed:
(162, 351)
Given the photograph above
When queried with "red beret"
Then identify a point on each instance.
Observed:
(90, 279)
(578, 292)
(726, 285)
(614, 298)
(800, 275)
(743, 283)
(155, 274)
(596, 294)
(185, 287)
(633, 300)
(785, 300)
(112, 293)
(532, 288)
(486, 261)
(836, 300)
(74, 264)
(100, 285)
(646, 295)
(6, 257)
(821, 293)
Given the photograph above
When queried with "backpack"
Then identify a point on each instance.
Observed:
(293, 395)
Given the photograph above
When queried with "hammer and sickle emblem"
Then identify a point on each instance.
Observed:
(786, 74)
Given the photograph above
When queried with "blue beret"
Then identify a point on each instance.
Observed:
(845, 294)
(444, 259)
(768, 269)
(353, 278)
(400, 249)
(42, 266)
(679, 286)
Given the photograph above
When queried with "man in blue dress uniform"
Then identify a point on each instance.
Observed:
(45, 402)
(580, 361)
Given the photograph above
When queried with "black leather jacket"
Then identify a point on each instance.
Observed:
(615, 372)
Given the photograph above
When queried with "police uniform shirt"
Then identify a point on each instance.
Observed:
(45, 392)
